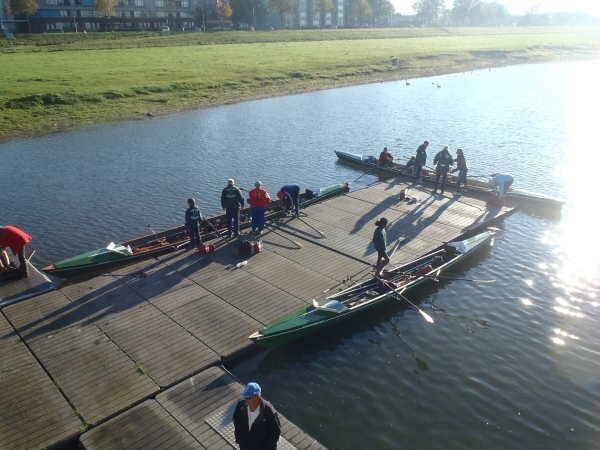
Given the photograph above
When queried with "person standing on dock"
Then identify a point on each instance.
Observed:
(231, 202)
(461, 165)
(258, 199)
(385, 159)
(380, 244)
(256, 423)
(500, 182)
(15, 239)
(442, 161)
(290, 197)
(193, 217)
(421, 159)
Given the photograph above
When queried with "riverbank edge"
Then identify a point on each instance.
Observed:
(403, 72)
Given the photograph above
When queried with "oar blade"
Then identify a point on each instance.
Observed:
(323, 235)
(427, 316)
(298, 244)
(483, 281)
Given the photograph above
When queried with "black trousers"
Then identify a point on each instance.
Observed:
(233, 218)
(418, 169)
(437, 178)
(22, 261)
(462, 178)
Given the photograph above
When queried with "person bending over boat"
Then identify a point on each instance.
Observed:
(442, 161)
(421, 159)
(385, 159)
(15, 239)
(290, 197)
(193, 217)
(380, 244)
(231, 202)
(410, 165)
(258, 199)
(256, 423)
(461, 165)
(500, 182)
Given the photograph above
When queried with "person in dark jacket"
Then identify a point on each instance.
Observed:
(410, 165)
(290, 197)
(461, 165)
(193, 217)
(15, 239)
(443, 160)
(421, 159)
(380, 244)
(231, 202)
(256, 423)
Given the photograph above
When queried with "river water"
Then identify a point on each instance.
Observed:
(514, 364)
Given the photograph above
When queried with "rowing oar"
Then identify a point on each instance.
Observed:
(235, 251)
(297, 244)
(423, 313)
(401, 239)
(323, 235)
(446, 278)
(374, 167)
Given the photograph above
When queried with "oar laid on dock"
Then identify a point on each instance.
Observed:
(323, 235)
(233, 249)
(297, 244)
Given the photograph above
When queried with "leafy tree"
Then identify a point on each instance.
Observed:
(282, 7)
(246, 11)
(461, 10)
(359, 10)
(27, 7)
(382, 9)
(324, 7)
(430, 8)
(106, 8)
(224, 10)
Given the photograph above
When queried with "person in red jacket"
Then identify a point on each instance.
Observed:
(258, 199)
(15, 239)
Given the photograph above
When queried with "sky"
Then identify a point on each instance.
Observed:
(518, 7)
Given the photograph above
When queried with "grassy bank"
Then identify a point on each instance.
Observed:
(52, 82)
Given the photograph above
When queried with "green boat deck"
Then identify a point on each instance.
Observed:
(121, 347)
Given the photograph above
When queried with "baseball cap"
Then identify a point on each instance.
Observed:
(251, 390)
(258, 183)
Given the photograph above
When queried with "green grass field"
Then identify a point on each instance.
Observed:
(52, 82)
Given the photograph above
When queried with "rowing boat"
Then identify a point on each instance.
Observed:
(173, 238)
(365, 295)
(475, 186)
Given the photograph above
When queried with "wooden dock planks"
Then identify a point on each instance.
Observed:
(94, 374)
(193, 401)
(34, 413)
(16, 289)
(145, 427)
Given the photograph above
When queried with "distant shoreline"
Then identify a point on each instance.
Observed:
(47, 91)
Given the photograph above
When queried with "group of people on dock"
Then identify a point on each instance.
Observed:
(232, 200)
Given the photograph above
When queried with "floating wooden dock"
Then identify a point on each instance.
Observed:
(131, 347)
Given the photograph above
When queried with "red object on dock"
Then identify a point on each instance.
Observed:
(206, 249)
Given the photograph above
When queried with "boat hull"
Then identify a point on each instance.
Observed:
(475, 186)
(171, 239)
(284, 336)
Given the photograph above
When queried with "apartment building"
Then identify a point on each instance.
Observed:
(307, 17)
(128, 14)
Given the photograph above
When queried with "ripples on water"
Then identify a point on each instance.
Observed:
(514, 364)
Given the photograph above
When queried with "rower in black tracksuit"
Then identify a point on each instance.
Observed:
(443, 160)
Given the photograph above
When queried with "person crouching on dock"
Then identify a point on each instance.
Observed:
(15, 239)
(380, 244)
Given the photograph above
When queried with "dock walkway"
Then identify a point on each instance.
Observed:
(114, 346)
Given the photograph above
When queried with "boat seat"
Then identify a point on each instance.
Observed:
(424, 270)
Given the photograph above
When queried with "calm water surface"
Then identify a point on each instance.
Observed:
(514, 364)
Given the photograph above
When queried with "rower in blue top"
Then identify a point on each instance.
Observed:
(290, 197)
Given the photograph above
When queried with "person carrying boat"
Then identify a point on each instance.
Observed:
(193, 217)
(461, 165)
(410, 165)
(443, 160)
(258, 199)
(380, 244)
(256, 423)
(500, 182)
(290, 197)
(421, 159)
(231, 202)
(15, 239)
(385, 159)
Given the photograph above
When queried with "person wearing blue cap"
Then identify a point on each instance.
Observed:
(257, 425)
